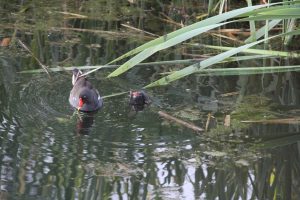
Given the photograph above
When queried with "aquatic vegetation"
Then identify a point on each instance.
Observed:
(254, 107)
(277, 12)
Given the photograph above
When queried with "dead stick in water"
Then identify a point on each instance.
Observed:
(179, 121)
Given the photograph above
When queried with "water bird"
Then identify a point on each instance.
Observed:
(83, 96)
(138, 100)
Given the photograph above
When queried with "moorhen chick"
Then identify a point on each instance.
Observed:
(138, 100)
(83, 96)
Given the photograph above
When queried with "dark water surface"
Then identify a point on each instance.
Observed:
(50, 152)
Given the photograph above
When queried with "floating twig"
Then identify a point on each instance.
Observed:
(181, 122)
(229, 94)
(73, 15)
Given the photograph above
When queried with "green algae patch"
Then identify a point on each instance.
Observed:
(254, 108)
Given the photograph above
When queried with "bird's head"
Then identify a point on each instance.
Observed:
(83, 99)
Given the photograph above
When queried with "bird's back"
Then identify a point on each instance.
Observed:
(81, 88)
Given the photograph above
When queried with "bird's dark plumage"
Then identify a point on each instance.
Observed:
(83, 95)
(138, 100)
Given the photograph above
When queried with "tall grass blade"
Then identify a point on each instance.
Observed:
(222, 6)
(235, 59)
(210, 61)
(266, 34)
(290, 26)
(59, 68)
(115, 94)
(260, 32)
(242, 58)
(162, 39)
(287, 13)
(210, 7)
(270, 17)
(150, 51)
(257, 51)
(292, 11)
(252, 25)
(275, 7)
(247, 70)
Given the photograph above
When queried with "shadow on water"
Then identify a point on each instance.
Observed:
(49, 153)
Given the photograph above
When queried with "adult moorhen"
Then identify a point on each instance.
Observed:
(83, 95)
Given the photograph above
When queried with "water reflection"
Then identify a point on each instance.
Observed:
(84, 123)
(133, 158)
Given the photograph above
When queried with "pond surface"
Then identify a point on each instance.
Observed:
(48, 151)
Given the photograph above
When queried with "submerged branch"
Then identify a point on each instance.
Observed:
(181, 122)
